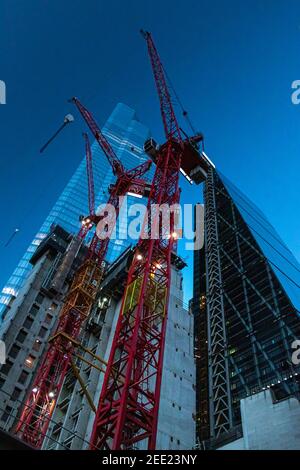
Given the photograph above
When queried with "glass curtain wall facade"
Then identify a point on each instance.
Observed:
(246, 306)
(127, 136)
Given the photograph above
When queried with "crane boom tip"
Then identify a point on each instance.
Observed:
(145, 34)
(72, 100)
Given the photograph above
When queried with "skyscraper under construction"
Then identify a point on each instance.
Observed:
(126, 134)
(246, 306)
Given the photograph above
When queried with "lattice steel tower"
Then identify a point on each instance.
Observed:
(246, 307)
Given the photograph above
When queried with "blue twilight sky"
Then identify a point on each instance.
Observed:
(231, 61)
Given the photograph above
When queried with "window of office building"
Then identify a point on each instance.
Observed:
(28, 323)
(29, 361)
(6, 414)
(23, 377)
(39, 298)
(34, 310)
(14, 351)
(21, 336)
(42, 332)
(16, 393)
(48, 318)
(36, 345)
(6, 367)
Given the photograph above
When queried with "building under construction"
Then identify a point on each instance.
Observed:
(33, 317)
(246, 310)
(118, 370)
(129, 407)
(126, 135)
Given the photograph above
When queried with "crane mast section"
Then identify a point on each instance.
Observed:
(128, 407)
(35, 418)
(99, 136)
(90, 176)
(42, 399)
(171, 127)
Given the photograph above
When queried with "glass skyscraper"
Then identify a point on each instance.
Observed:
(246, 307)
(127, 136)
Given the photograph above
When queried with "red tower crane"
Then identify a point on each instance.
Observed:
(36, 415)
(129, 401)
(88, 221)
(90, 175)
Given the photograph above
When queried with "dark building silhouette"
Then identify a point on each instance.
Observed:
(246, 307)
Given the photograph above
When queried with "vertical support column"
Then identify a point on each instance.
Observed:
(281, 323)
(219, 386)
(249, 319)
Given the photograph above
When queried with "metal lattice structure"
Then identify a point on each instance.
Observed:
(219, 391)
(129, 401)
(35, 418)
(90, 175)
(37, 412)
(245, 321)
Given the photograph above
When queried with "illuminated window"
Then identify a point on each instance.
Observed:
(36, 345)
(10, 291)
(29, 361)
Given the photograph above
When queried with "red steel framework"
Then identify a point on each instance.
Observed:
(36, 415)
(90, 175)
(129, 401)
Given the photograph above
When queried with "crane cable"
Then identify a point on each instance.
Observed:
(179, 102)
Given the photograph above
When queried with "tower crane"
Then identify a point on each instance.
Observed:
(128, 407)
(88, 221)
(90, 175)
(36, 414)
